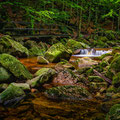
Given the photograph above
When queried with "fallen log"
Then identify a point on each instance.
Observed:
(102, 76)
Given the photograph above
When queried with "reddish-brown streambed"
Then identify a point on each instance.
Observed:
(41, 108)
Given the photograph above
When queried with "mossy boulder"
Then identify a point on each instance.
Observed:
(14, 66)
(4, 75)
(37, 51)
(114, 113)
(11, 95)
(57, 52)
(74, 45)
(68, 92)
(95, 79)
(114, 68)
(13, 46)
(42, 60)
(44, 75)
(23, 86)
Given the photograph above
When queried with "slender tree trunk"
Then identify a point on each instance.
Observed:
(112, 23)
(96, 16)
(80, 20)
(89, 17)
(119, 21)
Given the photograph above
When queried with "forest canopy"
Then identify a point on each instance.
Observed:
(81, 15)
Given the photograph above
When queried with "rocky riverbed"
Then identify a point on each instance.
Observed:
(55, 86)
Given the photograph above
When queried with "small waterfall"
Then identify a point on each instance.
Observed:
(92, 52)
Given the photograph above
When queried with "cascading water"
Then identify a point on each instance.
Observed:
(91, 52)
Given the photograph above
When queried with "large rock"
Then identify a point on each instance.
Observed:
(57, 52)
(11, 95)
(44, 75)
(14, 66)
(13, 46)
(74, 45)
(4, 75)
(68, 92)
(114, 113)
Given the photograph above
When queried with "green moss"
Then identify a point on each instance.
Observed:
(68, 92)
(116, 79)
(74, 45)
(4, 75)
(14, 66)
(114, 113)
(57, 52)
(44, 75)
(95, 79)
(9, 42)
(11, 93)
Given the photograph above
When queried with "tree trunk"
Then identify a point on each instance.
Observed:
(80, 21)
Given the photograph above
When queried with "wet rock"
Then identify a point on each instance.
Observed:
(65, 77)
(95, 79)
(14, 66)
(68, 92)
(114, 113)
(23, 86)
(11, 95)
(42, 60)
(85, 62)
(57, 52)
(4, 75)
(14, 46)
(74, 45)
(44, 75)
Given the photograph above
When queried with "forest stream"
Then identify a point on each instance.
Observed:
(38, 107)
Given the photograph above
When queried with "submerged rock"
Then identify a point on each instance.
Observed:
(57, 52)
(4, 75)
(68, 92)
(11, 95)
(44, 75)
(14, 66)
(42, 60)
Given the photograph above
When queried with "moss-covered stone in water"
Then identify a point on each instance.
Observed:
(68, 92)
(74, 45)
(57, 52)
(95, 79)
(114, 113)
(44, 75)
(42, 60)
(10, 94)
(9, 42)
(4, 75)
(14, 66)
